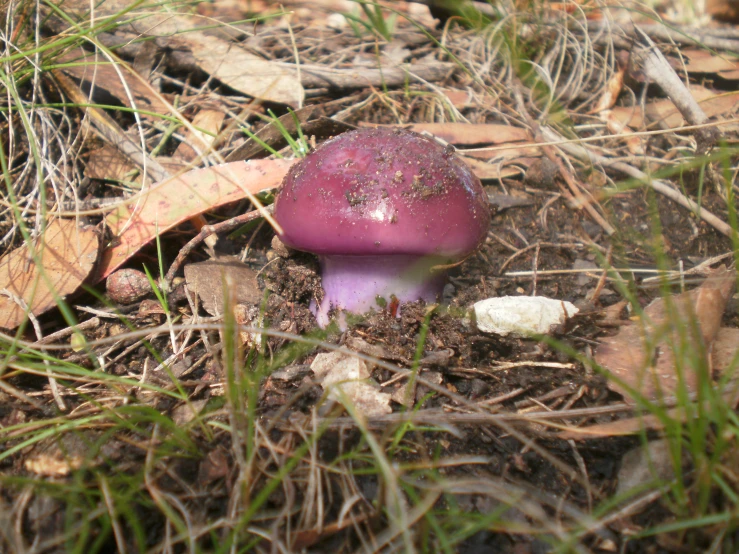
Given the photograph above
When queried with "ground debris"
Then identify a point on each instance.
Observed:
(645, 356)
(345, 378)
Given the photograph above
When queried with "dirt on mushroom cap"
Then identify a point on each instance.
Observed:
(383, 191)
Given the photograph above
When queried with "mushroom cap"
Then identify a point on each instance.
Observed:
(383, 191)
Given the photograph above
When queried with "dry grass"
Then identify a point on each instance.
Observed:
(158, 429)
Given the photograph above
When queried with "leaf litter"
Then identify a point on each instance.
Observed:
(663, 352)
(515, 403)
(35, 277)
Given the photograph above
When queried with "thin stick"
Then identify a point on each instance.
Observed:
(206, 232)
(654, 65)
(660, 186)
(574, 194)
(39, 335)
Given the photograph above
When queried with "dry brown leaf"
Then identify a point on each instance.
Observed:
(612, 91)
(473, 133)
(304, 538)
(178, 199)
(172, 165)
(654, 372)
(633, 425)
(702, 61)
(244, 71)
(495, 171)
(207, 280)
(723, 10)
(730, 75)
(666, 115)
(725, 350)
(272, 135)
(618, 428)
(206, 123)
(66, 255)
(514, 152)
(107, 163)
(460, 99)
(97, 71)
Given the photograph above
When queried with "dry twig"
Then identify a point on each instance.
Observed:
(662, 187)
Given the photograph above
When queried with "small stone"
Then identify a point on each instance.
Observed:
(580, 265)
(521, 316)
(347, 378)
(641, 466)
(127, 286)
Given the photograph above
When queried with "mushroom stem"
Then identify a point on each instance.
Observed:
(354, 283)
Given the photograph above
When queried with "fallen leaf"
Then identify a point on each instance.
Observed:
(66, 254)
(206, 123)
(723, 10)
(612, 91)
(244, 71)
(172, 165)
(98, 72)
(208, 279)
(653, 372)
(459, 98)
(643, 465)
(725, 349)
(513, 152)
(469, 133)
(170, 202)
(320, 128)
(185, 413)
(666, 115)
(215, 465)
(504, 202)
(633, 425)
(703, 61)
(302, 539)
(272, 135)
(108, 164)
(486, 171)
(345, 378)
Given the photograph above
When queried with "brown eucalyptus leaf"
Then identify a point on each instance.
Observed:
(49, 269)
(121, 82)
(703, 61)
(723, 10)
(486, 171)
(693, 317)
(208, 279)
(725, 349)
(470, 133)
(206, 123)
(170, 202)
(633, 425)
(666, 115)
(513, 153)
(244, 71)
(108, 164)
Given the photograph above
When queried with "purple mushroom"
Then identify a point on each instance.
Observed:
(387, 211)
